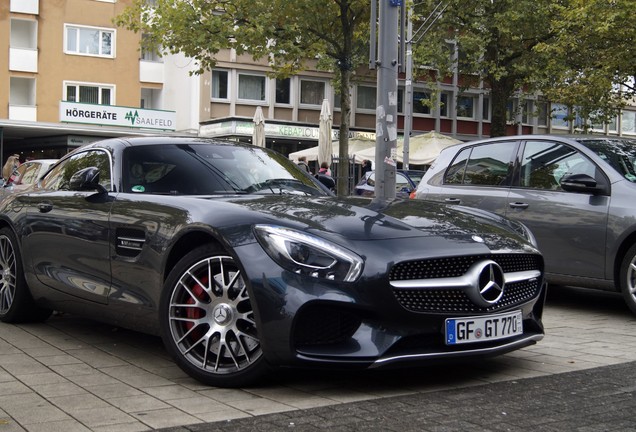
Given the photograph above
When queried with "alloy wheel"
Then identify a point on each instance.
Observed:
(211, 318)
(7, 274)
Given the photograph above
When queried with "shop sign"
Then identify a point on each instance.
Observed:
(274, 130)
(110, 115)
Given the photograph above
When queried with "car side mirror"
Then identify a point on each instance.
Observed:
(86, 179)
(579, 183)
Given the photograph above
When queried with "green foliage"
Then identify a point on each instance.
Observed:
(293, 35)
(592, 61)
(495, 40)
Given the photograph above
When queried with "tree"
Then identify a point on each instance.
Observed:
(592, 60)
(495, 40)
(292, 34)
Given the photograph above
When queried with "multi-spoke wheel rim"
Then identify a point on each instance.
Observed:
(631, 279)
(7, 274)
(211, 318)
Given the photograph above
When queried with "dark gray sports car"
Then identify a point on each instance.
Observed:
(243, 262)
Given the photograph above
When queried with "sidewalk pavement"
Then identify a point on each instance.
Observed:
(72, 374)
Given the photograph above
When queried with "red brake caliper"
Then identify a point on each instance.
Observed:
(196, 313)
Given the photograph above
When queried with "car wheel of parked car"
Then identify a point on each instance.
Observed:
(208, 322)
(16, 303)
(628, 278)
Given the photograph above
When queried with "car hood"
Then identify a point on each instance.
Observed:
(361, 219)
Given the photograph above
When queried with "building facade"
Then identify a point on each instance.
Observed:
(69, 76)
(292, 106)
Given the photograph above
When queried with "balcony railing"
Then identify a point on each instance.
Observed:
(23, 60)
(151, 72)
(23, 113)
(25, 6)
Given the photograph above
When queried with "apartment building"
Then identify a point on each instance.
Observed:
(68, 76)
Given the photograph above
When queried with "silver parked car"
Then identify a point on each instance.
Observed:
(577, 194)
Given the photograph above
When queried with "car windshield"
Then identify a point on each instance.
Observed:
(619, 153)
(208, 169)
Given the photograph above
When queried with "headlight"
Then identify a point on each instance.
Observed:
(308, 255)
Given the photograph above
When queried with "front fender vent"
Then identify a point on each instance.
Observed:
(129, 242)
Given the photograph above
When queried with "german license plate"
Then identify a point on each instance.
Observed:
(483, 328)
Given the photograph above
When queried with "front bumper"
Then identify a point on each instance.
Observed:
(305, 321)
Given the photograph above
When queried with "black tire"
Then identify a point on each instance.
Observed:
(16, 303)
(627, 277)
(207, 321)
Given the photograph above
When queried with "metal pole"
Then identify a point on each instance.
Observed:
(408, 87)
(386, 111)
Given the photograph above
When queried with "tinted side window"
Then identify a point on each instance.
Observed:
(29, 176)
(487, 164)
(544, 164)
(455, 172)
(58, 178)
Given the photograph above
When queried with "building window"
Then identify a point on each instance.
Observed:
(526, 114)
(541, 113)
(421, 102)
(252, 87)
(220, 81)
(366, 98)
(90, 41)
(560, 116)
(485, 109)
(283, 91)
(445, 100)
(466, 106)
(91, 94)
(147, 54)
(312, 92)
(628, 122)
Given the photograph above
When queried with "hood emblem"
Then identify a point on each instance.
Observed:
(488, 283)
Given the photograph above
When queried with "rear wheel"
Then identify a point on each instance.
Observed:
(16, 303)
(208, 322)
(628, 278)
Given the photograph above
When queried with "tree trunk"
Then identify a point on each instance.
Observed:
(500, 92)
(342, 186)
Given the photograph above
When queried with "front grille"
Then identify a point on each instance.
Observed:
(453, 300)
(457, 266)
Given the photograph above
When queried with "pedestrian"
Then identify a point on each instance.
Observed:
(12, 163)
(324, 169)
(366, 166)
(302, 162)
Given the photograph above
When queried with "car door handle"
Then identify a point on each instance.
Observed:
(45, 207)
(453, 200)
(518, 205)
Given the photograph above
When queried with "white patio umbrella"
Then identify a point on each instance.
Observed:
(258, 136)
(325, 144)
(356, 145)
(423, 149)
